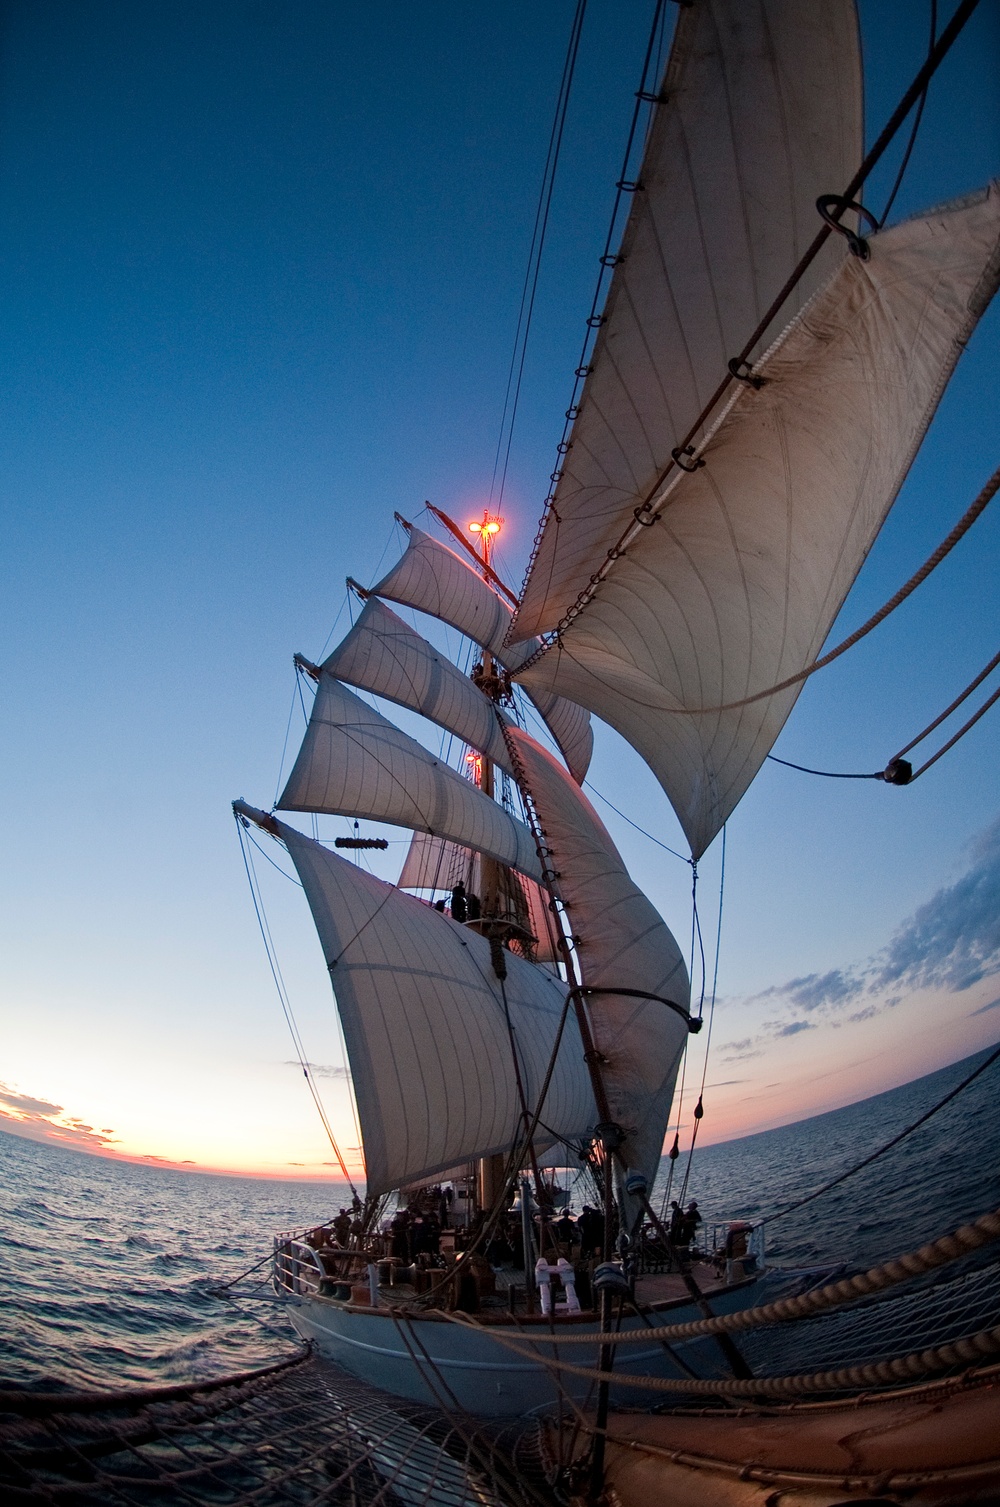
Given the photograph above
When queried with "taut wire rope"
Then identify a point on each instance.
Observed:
(286, 1006)
(836, 1181)
(533, 269)
(918, 117)
(890, 774)
(978, 506)
(672, 851)
(699, 1109)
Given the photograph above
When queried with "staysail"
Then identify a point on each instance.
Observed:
(432, 864)
(431, 578)
(354, 762)
(622, 944)
(760, 113)
(425, 1022)
(736, 586)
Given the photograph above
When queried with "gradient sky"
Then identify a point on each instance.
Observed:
(259, 267)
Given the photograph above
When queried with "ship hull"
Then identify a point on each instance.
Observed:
(939, 1445)
(428, 1359)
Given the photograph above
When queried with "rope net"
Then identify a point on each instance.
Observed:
(305, 1434)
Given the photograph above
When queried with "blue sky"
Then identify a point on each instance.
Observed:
(260, 266)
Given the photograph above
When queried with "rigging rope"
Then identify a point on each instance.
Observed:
(672, 851)
(897, 771)
(286, 1006)
(827, 774)
(699, 1109)
(916, 126)
(835, 1182)
(963, 729)
(531, 275)
(608, 259)
(980, 504)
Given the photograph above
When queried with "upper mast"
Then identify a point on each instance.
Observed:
(491, 685)
(491, 1170)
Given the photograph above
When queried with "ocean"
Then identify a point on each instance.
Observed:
(105, 1266)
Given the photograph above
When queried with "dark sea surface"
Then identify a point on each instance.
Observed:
(946, 1172)
(105, 1265)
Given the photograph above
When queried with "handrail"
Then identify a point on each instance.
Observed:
(298, 1267)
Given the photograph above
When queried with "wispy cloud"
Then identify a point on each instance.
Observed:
(320, 1069)
(44, 1120)
(25, 1104)
(741, 1051)
(994, 1004)
(951, 942)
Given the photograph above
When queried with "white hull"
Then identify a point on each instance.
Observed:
(425, 1359)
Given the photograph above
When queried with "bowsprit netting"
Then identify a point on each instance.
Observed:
(301, 1433)
(882, 1328)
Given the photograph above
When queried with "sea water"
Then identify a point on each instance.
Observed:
(107, 1268)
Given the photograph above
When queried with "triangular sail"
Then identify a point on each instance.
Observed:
(738, 584)
(426, 1027)
(354, 762)
(382, 654)
(622, 944)
(431, 578)
(761, 113)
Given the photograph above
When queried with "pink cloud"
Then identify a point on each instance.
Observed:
(42, 1120)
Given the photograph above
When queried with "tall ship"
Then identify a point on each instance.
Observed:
(764, 358)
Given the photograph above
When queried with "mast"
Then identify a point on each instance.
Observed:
(490, 1170)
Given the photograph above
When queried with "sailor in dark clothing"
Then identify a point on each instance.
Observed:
(676, 1222)
(591, 1227)
(459, 904)
(692, 1219)
(565, 1229)
(474, 907)
(400, 1232)
(342, 1227)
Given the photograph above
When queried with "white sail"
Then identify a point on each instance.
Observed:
(431, 578)
(432, 864)
(623, 944)
(426, 1027)
(384, 655)
(762, 114)
(738, 584)
(353, 762)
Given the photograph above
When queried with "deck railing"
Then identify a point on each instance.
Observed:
(299, 1267)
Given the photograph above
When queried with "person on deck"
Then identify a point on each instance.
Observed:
(459, 904)
(564, 1230)
(399, 1231)
(692, 1219)
(342, 1227)
(591, 1227)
